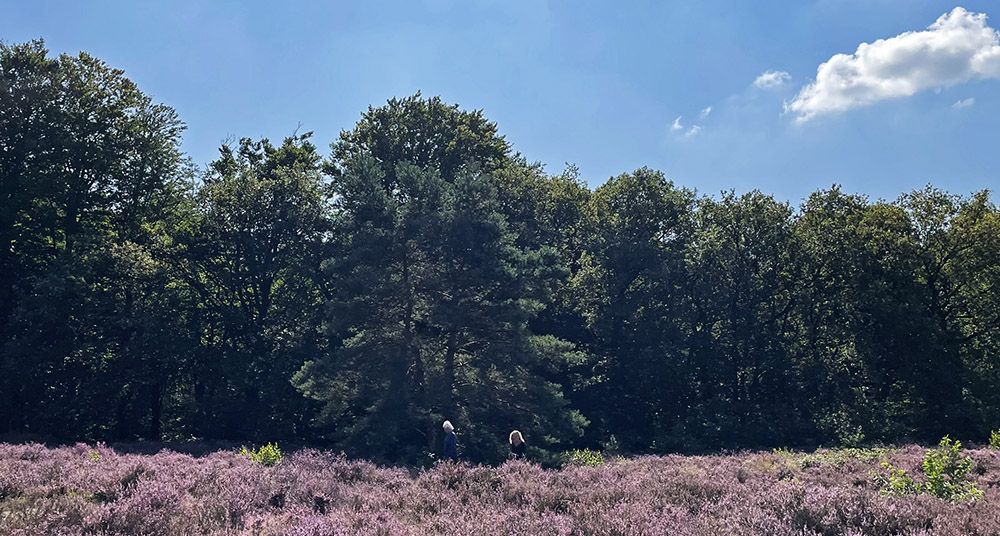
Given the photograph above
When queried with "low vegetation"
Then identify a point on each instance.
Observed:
(266, 455)
(71, 490)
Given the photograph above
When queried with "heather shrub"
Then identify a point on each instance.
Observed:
(31, 452)
(151, 508)
(267, 455)
(781, 463)
(62, 491)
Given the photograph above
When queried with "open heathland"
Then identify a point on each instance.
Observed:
(97, 490)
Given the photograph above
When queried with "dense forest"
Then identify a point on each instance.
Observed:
(422, 270)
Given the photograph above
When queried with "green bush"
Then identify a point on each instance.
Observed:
(947, 472)
(267, 455)
(895, 481)
(995, 439)
(583, 458)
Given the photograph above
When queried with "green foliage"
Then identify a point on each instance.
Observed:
(995, 439)
(91, 175)
(425, 132)
(895, 481)
(267, 455)
(840, 457)
(425, 271)
(430, 314)
(783, 452)
(249, 256)
(946, 471)
(582, 458)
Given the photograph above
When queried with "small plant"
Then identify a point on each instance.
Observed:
(583, 458)
(995, 439)
(267, 455)
(947, 472)
(783, 452)
(895, 481)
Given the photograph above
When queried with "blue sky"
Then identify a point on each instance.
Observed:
(598, 84)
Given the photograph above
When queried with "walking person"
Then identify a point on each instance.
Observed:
(517, 445)
(450, 442)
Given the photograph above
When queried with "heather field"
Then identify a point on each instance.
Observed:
(96, 490)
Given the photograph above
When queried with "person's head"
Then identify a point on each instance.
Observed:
(448, 428)
(515, 438)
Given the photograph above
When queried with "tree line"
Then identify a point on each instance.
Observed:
(423, 270)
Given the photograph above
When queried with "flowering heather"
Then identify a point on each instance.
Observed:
(88, 490)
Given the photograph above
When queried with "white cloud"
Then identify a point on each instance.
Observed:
(771, 79)
(704, 112)
(677, 126)
(964, 103)
(958, 47)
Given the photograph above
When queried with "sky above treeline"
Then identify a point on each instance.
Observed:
(880, 96)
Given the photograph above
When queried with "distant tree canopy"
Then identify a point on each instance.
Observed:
(424, 271)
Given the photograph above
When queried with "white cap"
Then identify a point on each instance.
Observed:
(447, 426)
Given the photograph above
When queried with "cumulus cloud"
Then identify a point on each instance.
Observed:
(704, 112)
(677, 124)
(771, 79)
(958, 47)
(964, 103)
